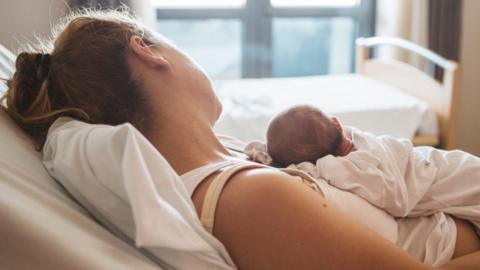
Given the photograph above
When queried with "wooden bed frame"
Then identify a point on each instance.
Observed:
(442, 97)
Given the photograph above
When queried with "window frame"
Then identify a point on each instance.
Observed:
(256, 18)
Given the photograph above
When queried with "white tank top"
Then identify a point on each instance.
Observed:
(356, 207)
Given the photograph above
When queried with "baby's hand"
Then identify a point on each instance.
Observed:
(346, 147)
(347, 144)
(257, 151)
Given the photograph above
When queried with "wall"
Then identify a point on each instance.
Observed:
(21, 20)
(469, 109)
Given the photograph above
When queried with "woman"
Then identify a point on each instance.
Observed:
(105, 68)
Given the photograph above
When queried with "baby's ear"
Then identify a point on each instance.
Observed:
(337, 124)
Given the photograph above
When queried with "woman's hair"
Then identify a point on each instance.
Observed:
(82, 72)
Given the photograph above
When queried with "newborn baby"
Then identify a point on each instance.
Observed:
(301, 133)
(390, 173)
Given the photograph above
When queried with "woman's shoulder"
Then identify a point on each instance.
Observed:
(257, 181)
(253, 191)
(249, 185)
(293, 227)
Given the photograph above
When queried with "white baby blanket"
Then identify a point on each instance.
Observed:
(405, 180)
(383, 170)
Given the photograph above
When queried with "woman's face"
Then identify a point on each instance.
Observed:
(190, 79)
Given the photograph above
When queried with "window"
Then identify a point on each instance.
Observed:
(192, 4)
(314, 3)
(267, 38)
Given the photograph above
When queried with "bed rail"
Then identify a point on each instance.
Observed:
(409, 46)
(441, 96)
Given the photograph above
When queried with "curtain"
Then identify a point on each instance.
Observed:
(444, 23)
(434, 24)
(407, 19)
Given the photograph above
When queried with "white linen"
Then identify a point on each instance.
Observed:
(115, 173)
(249, 104)
(430, 239)
(383, 170)
(405, 180)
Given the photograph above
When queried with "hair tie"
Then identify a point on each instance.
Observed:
(43, 66)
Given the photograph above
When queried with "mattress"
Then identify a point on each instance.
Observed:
(359, 101)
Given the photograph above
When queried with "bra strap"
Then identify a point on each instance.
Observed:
(207, 216)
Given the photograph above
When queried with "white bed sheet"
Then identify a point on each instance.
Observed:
(359, 101)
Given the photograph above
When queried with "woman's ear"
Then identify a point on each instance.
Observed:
(146, 53)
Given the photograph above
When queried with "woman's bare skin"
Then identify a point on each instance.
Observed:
(467, 239)
(256, 222)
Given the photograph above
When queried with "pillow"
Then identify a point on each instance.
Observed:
(125, 182)
(7, 66)
(40, 226)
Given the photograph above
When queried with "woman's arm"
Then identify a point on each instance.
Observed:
(466, 262)
(268, 222)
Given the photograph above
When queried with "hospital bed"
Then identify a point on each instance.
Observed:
(42, 227)
(383, 97)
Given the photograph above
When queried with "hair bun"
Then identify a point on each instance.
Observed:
(35, 65)
(31, 71)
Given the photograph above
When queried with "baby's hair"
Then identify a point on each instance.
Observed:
(301, 133)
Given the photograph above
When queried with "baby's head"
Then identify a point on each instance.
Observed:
(302, 133)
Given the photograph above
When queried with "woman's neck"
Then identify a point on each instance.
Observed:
(187, 145)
